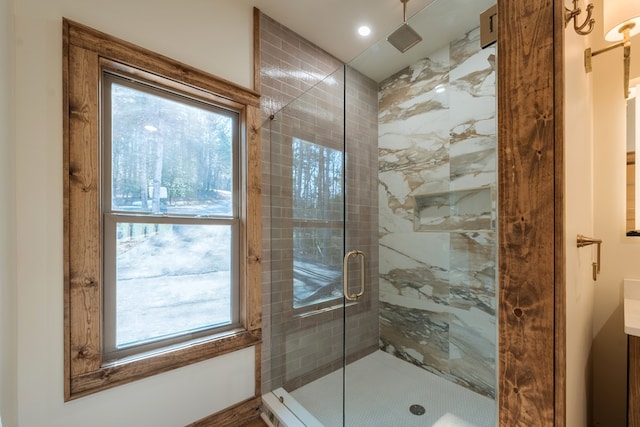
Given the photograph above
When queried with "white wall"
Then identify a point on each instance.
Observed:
(8, 339)
(214, 35)
(620, 254)
(578, 220)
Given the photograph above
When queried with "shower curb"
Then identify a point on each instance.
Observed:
(280, 409)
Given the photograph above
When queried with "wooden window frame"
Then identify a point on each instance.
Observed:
(85, 53)
(112, 215)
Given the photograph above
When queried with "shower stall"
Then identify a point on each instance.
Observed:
(380, 228)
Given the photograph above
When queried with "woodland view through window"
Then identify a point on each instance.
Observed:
(170, 216)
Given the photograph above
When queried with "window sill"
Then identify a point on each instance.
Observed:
(134, 368)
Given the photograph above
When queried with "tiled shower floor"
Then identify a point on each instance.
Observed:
(381, 388)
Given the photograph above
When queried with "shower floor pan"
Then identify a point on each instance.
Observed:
(382, 391)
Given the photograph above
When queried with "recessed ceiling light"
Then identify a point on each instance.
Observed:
(364, 31)
(150, 128)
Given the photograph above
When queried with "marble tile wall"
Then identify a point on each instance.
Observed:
(437, 150)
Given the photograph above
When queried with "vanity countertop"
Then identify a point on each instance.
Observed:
(632, 307)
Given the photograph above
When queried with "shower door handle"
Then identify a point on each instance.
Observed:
(347, 295)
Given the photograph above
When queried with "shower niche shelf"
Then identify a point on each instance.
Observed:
(456, 210)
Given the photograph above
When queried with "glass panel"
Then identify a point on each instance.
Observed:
(169, 155)
(171, 279)
(306, 234)
(317, 265)
(436, 175)
(419, 144)
(317, 181)
(362, 322)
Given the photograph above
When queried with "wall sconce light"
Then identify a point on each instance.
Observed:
(573, 14)
(621, 22)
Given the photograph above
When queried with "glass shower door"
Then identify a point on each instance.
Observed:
(397, 169)
(307, 252)
(318, 186)
(361, 245)
(431, 260)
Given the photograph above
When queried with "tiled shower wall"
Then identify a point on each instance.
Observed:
(437, 172)
(437, 148)
(303, 88)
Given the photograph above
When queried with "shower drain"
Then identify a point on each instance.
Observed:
(417, 409)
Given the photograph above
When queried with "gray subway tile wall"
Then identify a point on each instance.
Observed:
(295, 74)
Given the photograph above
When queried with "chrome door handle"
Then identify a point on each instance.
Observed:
(347, 295)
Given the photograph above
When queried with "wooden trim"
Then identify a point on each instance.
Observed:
(111, 375)
(253, 226)
(256, 50)
(560, 370)
(131, 54)
(633, 386)
(83, 220)
(65, 207)
(527, 182)
(258, 372)
(85, 52)
(179, 87)
(234, 416)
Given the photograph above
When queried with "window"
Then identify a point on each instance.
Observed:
(318, 223)
(162, 214)
(170, 216)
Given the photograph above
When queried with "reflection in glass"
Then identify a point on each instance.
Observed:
(317, 223)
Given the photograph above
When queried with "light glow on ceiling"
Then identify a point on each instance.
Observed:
(364, 31)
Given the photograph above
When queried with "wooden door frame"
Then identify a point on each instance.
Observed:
(531, 304)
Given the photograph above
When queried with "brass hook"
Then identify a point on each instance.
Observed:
(573, 14)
